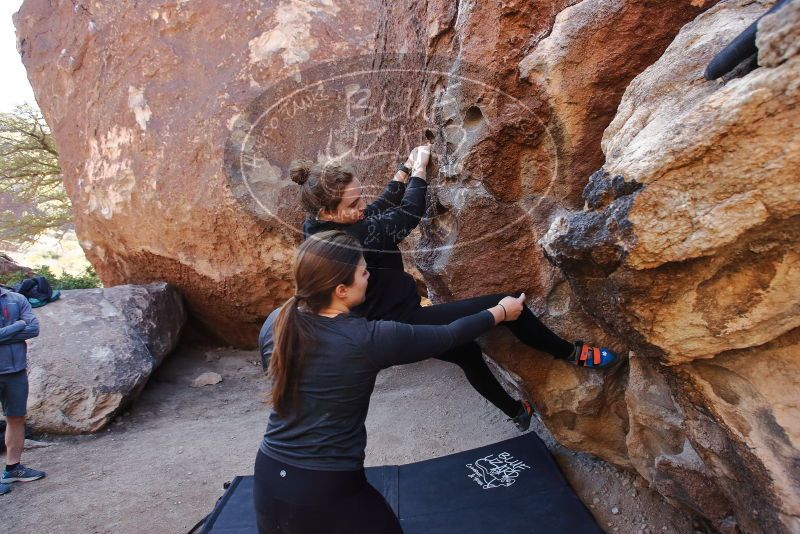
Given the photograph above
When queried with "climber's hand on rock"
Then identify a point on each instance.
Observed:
(513, 306)
(411, 158)
(422, 155)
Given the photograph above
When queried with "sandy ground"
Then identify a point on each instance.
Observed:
(160, 467)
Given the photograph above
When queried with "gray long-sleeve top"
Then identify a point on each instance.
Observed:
(17, 323)
(327, 430)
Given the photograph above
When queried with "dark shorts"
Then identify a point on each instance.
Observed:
(14, 393)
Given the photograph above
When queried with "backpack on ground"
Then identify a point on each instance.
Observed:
(37, 290)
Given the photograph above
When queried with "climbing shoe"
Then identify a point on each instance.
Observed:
(523, 418)
(595, 357)
(21, 474)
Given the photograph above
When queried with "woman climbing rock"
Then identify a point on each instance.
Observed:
(323, 360)
(332, 199)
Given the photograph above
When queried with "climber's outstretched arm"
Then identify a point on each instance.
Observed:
(393, 193)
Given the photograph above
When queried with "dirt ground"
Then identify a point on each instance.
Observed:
(160, 467)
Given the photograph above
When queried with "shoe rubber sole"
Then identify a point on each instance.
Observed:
(21, 479)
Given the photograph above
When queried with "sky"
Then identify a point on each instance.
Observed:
(15, 88)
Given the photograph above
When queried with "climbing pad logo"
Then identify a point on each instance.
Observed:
(497, 471)
(369, 113)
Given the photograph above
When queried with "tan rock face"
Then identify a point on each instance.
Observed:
(692, 225)
(141, 101)
(594, 49)
(658, 446)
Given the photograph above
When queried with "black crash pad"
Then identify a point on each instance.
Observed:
(511, 486)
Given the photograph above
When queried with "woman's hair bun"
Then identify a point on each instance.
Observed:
(299, 171)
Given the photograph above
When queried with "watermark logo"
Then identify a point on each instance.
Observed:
(368, 113)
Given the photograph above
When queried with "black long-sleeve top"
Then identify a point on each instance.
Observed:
(327, 430)
(391, 292)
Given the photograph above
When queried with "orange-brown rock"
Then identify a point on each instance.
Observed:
(517, 97)
(689, 241)
(141, 101)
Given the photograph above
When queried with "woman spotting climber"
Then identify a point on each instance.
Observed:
(332, 199)
(323, 360)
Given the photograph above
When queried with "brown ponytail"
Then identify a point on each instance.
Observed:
(323, 261)
(323, 184)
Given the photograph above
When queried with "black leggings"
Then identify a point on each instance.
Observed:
(527, 328)
(298, 501)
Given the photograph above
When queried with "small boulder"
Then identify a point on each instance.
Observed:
(95, 352)
(207, 379)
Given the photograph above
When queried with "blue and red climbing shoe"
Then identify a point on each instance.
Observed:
(594, 357)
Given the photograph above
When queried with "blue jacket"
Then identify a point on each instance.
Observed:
(17, 323)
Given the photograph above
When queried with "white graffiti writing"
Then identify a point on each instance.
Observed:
(496, 471)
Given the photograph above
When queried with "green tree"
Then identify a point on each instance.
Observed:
(32, 196)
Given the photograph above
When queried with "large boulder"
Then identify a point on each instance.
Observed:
(141, 100)
(517, 96)
(689, 245)
(686, 252)
(95, 351)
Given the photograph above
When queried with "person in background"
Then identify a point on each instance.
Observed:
(17, 323)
